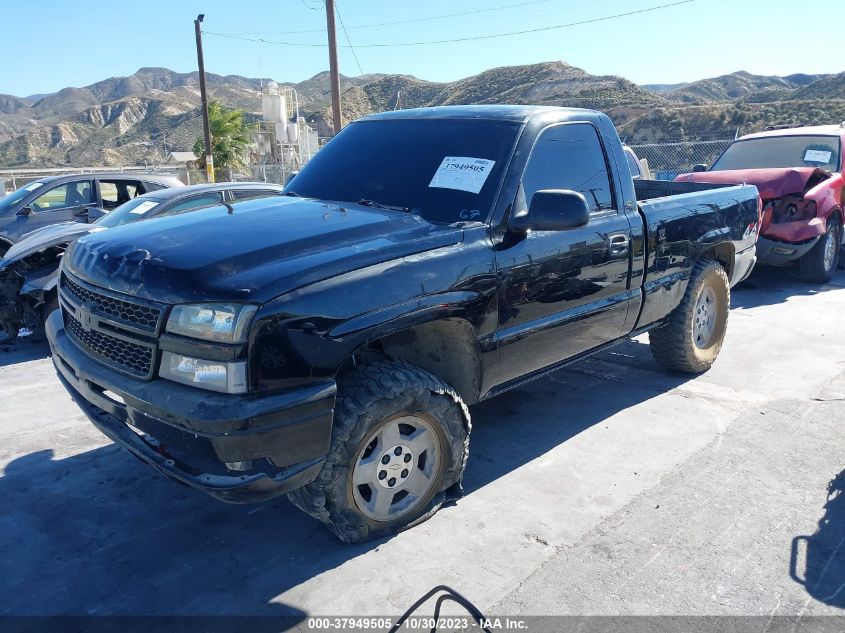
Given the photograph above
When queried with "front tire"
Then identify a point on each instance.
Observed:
(399, 447)
(690, 341)
(819, 264)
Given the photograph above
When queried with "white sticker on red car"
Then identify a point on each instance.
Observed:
(462, 173)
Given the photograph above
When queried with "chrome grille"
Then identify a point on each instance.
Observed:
(142, 316)
(130, 357)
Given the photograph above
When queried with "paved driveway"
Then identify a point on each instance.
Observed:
(609, 487)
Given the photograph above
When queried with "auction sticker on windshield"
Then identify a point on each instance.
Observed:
(33, 186)
(144, 207)
(817, 156)
(462, 173)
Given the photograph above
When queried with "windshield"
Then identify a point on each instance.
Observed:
(782, 151)
(128, 212)
(16, 196)
(442, 170)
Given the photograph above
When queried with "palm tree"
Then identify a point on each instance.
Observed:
(230, 139)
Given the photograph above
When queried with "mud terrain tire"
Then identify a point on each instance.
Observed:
(396, 403)
(690, 341)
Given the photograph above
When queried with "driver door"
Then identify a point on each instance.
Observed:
(564, 292)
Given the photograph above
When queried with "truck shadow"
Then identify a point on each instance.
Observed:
(22, 351)
(100, 532)
(817, 562)
(768, 285)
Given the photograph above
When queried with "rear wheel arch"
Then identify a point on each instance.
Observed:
(723, 254)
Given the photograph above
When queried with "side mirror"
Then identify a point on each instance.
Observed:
(25, 211)
(700, 167)
(83, 210)
(553, 210)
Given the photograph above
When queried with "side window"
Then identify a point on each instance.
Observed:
(115, 192)
(68, 195)
(570, 156)
(250, 194)
(204, 200)
(108, 192)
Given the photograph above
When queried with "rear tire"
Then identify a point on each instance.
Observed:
(690, 341)
(399, 446)
(819, 264)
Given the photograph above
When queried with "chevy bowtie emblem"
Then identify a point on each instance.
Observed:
(85, 318)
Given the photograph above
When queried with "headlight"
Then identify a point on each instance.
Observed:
(206, 374)
(219, 322)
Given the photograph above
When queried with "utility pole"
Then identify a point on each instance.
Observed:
(206, 130)
(333, 73)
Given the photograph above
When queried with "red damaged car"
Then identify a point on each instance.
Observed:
(799, 174)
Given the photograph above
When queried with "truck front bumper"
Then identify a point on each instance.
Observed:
(778, 253)
(237, 448)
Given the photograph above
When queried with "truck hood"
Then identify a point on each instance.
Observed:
(771, 183)
(252, 251)
(46, 237)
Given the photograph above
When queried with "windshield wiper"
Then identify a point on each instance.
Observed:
(364, 202)
(292, 194)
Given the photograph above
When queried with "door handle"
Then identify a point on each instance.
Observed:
(619, 244)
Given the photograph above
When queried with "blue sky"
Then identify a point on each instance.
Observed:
(49, 44)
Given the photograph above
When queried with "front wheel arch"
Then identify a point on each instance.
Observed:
(446, 348)
(817, 266)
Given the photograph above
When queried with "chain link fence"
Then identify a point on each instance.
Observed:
(667, 160)
(264, 172)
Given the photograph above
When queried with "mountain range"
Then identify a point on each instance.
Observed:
(139, 118)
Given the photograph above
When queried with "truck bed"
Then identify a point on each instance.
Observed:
(682, 223)
(650, 189)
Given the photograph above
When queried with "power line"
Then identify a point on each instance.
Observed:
(465, 39)
(414, 20)
(355, 55)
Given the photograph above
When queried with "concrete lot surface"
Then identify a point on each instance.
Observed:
(607, 488)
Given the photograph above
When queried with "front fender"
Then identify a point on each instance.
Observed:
(386, 321)
(311, 332)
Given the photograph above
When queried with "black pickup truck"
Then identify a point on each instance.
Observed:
(327, 344)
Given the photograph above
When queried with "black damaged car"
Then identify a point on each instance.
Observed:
(326, 345)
